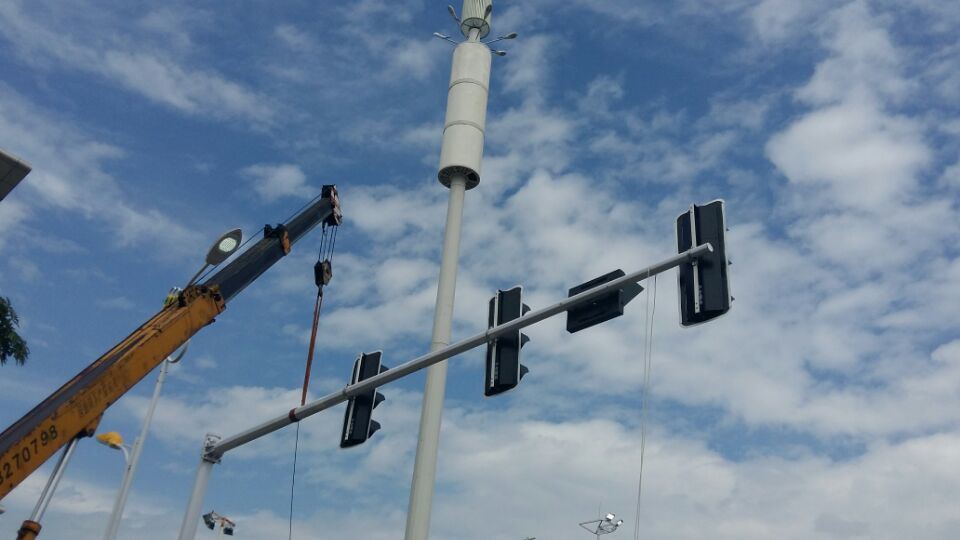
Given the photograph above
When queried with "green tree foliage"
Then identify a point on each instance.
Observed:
(11, 344)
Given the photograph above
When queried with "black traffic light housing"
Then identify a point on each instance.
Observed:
(358, 423)
(704, 285)
(602, 308)
(504, 370)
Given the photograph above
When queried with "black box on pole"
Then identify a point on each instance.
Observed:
(604, 307)
(704, 284)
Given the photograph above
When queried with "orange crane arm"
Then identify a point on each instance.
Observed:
(75, 409)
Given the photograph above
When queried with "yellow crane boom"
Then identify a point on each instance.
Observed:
(75, 409)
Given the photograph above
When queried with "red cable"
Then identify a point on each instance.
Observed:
(313, 341)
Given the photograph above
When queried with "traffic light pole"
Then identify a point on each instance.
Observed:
(214, 450)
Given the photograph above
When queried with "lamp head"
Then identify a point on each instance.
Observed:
(224, 247)
(609, 517)
(112, 439)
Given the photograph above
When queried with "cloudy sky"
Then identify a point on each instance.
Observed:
(826, 404)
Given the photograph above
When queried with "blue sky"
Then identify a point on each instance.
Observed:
(824, 405)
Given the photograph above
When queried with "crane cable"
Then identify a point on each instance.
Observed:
(645, 395)
(322, 273)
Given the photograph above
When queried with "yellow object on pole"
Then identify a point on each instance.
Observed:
(112, 439)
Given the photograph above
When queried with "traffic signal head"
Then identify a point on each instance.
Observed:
(602, 308)
(704, 286)
(358, 423)
(503, 368)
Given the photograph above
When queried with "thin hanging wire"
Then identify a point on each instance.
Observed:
(293, 481)
(650, 311)
(327, 245)
(302, 208)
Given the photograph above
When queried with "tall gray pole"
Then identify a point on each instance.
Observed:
(131, 463)
(191, 518)
(460, 158)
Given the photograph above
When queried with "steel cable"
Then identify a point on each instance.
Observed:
(645, 393)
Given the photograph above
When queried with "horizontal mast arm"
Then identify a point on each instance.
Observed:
(342, 395)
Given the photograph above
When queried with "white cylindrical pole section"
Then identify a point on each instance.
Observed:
(460, 157)
(188, 529)
(134, 458)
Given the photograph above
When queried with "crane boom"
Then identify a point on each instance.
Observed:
(75, 409)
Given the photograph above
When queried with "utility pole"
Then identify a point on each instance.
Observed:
(131, 463)
(460, 157)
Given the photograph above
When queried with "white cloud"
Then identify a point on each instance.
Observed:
(71, 173)
(529, 66)
(295, 39)
(951, 176)
(121, 303)
(191, 91)
(274, 181)
(145, 70)
(542, 477)
(173, 25)
(775, 20)
(864, 64)
(864, 157)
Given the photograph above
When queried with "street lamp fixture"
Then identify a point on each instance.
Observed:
(114, 440)
(606, 525)
(220, 251)
(511, 35)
